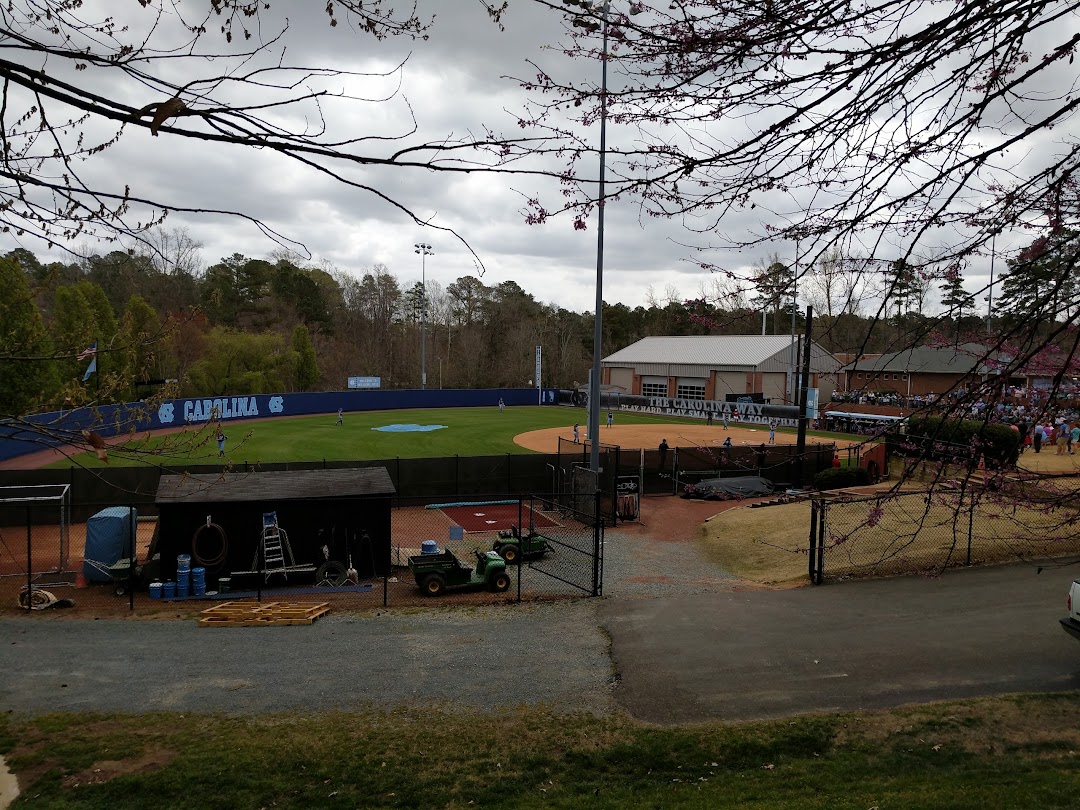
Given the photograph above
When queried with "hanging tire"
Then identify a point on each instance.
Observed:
(332, 573)
(500, 582)
(433, 585)
(510, 553)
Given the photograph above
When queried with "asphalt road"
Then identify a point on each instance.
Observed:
(680, 657)
(855, 645)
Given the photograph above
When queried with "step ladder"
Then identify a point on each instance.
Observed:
(277, 556)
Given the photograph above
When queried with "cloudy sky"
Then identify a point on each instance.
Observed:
(452, 85)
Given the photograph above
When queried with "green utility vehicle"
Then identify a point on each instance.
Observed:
(438, 573)
(512, 547)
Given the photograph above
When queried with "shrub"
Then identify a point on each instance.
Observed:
(839, 477)
(1000, 444)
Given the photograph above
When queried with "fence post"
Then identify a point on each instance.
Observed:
(260, 563)
(597, 586)
(29, 560)
(133, 524)
(521, 534)
(971, 520)
(814, 508)
(822, 522)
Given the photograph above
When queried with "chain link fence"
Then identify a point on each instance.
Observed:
(946, 526)
(545, 549)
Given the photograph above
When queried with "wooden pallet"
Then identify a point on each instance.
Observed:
(264, 614)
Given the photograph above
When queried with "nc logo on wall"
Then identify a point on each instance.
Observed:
(165, 413)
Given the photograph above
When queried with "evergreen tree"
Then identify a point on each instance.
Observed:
(1041, 284)
(307, 367)
(27, 375)
(774, 284)
(105, 326)
(139, 339)
(956, 299)
(900, 286)
(73, 330)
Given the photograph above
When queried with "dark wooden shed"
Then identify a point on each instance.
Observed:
(218, 519)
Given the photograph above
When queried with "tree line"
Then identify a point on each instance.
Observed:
(259, 325)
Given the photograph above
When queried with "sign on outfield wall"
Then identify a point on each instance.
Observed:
(365, 382)
(752, 412)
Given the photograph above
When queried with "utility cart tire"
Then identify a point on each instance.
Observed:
(501, 582)
(510, 553)
(434, 585)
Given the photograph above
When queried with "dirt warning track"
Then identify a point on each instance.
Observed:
(650, 436)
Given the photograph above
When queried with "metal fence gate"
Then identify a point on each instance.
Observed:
(576, 545)
(929, 531)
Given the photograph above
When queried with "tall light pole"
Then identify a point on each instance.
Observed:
(424, 250)
(794, 355)
(598, 322)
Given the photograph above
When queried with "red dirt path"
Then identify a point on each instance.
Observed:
(493, 517)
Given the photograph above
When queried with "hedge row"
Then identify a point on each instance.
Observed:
(839, 477)
(998, 443)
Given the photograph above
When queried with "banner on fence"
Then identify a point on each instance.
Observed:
(752, 412)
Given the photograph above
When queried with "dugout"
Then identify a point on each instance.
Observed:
(332, 508)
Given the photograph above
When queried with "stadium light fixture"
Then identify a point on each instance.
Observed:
(424, 250)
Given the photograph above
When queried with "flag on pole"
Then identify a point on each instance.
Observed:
(91, 352)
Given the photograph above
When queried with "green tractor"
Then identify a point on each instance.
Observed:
(438, 573)
(514, 548)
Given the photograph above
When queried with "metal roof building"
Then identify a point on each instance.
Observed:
(717, 367)
(919, 370)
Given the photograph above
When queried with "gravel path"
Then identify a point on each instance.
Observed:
(638, 566)
(556, 655)
(553, 655)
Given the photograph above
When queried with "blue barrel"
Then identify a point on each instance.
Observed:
(429, 547)
(155, 590)
(183, 562)
(168, 590)
(198, 581)
(224, 584)
(182, 590)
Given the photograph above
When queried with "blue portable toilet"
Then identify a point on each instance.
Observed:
(109, 537)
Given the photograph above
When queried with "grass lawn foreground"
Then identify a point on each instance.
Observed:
(1008, 752)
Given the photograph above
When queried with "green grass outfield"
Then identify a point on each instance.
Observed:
(468, 432)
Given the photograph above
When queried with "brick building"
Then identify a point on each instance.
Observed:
(918, 371)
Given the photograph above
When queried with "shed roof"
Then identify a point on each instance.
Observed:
(705, 350)
(287, 485)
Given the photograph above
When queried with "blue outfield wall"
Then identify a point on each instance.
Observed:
(45, 430)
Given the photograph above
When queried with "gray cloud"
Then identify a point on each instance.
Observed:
(453, 84)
